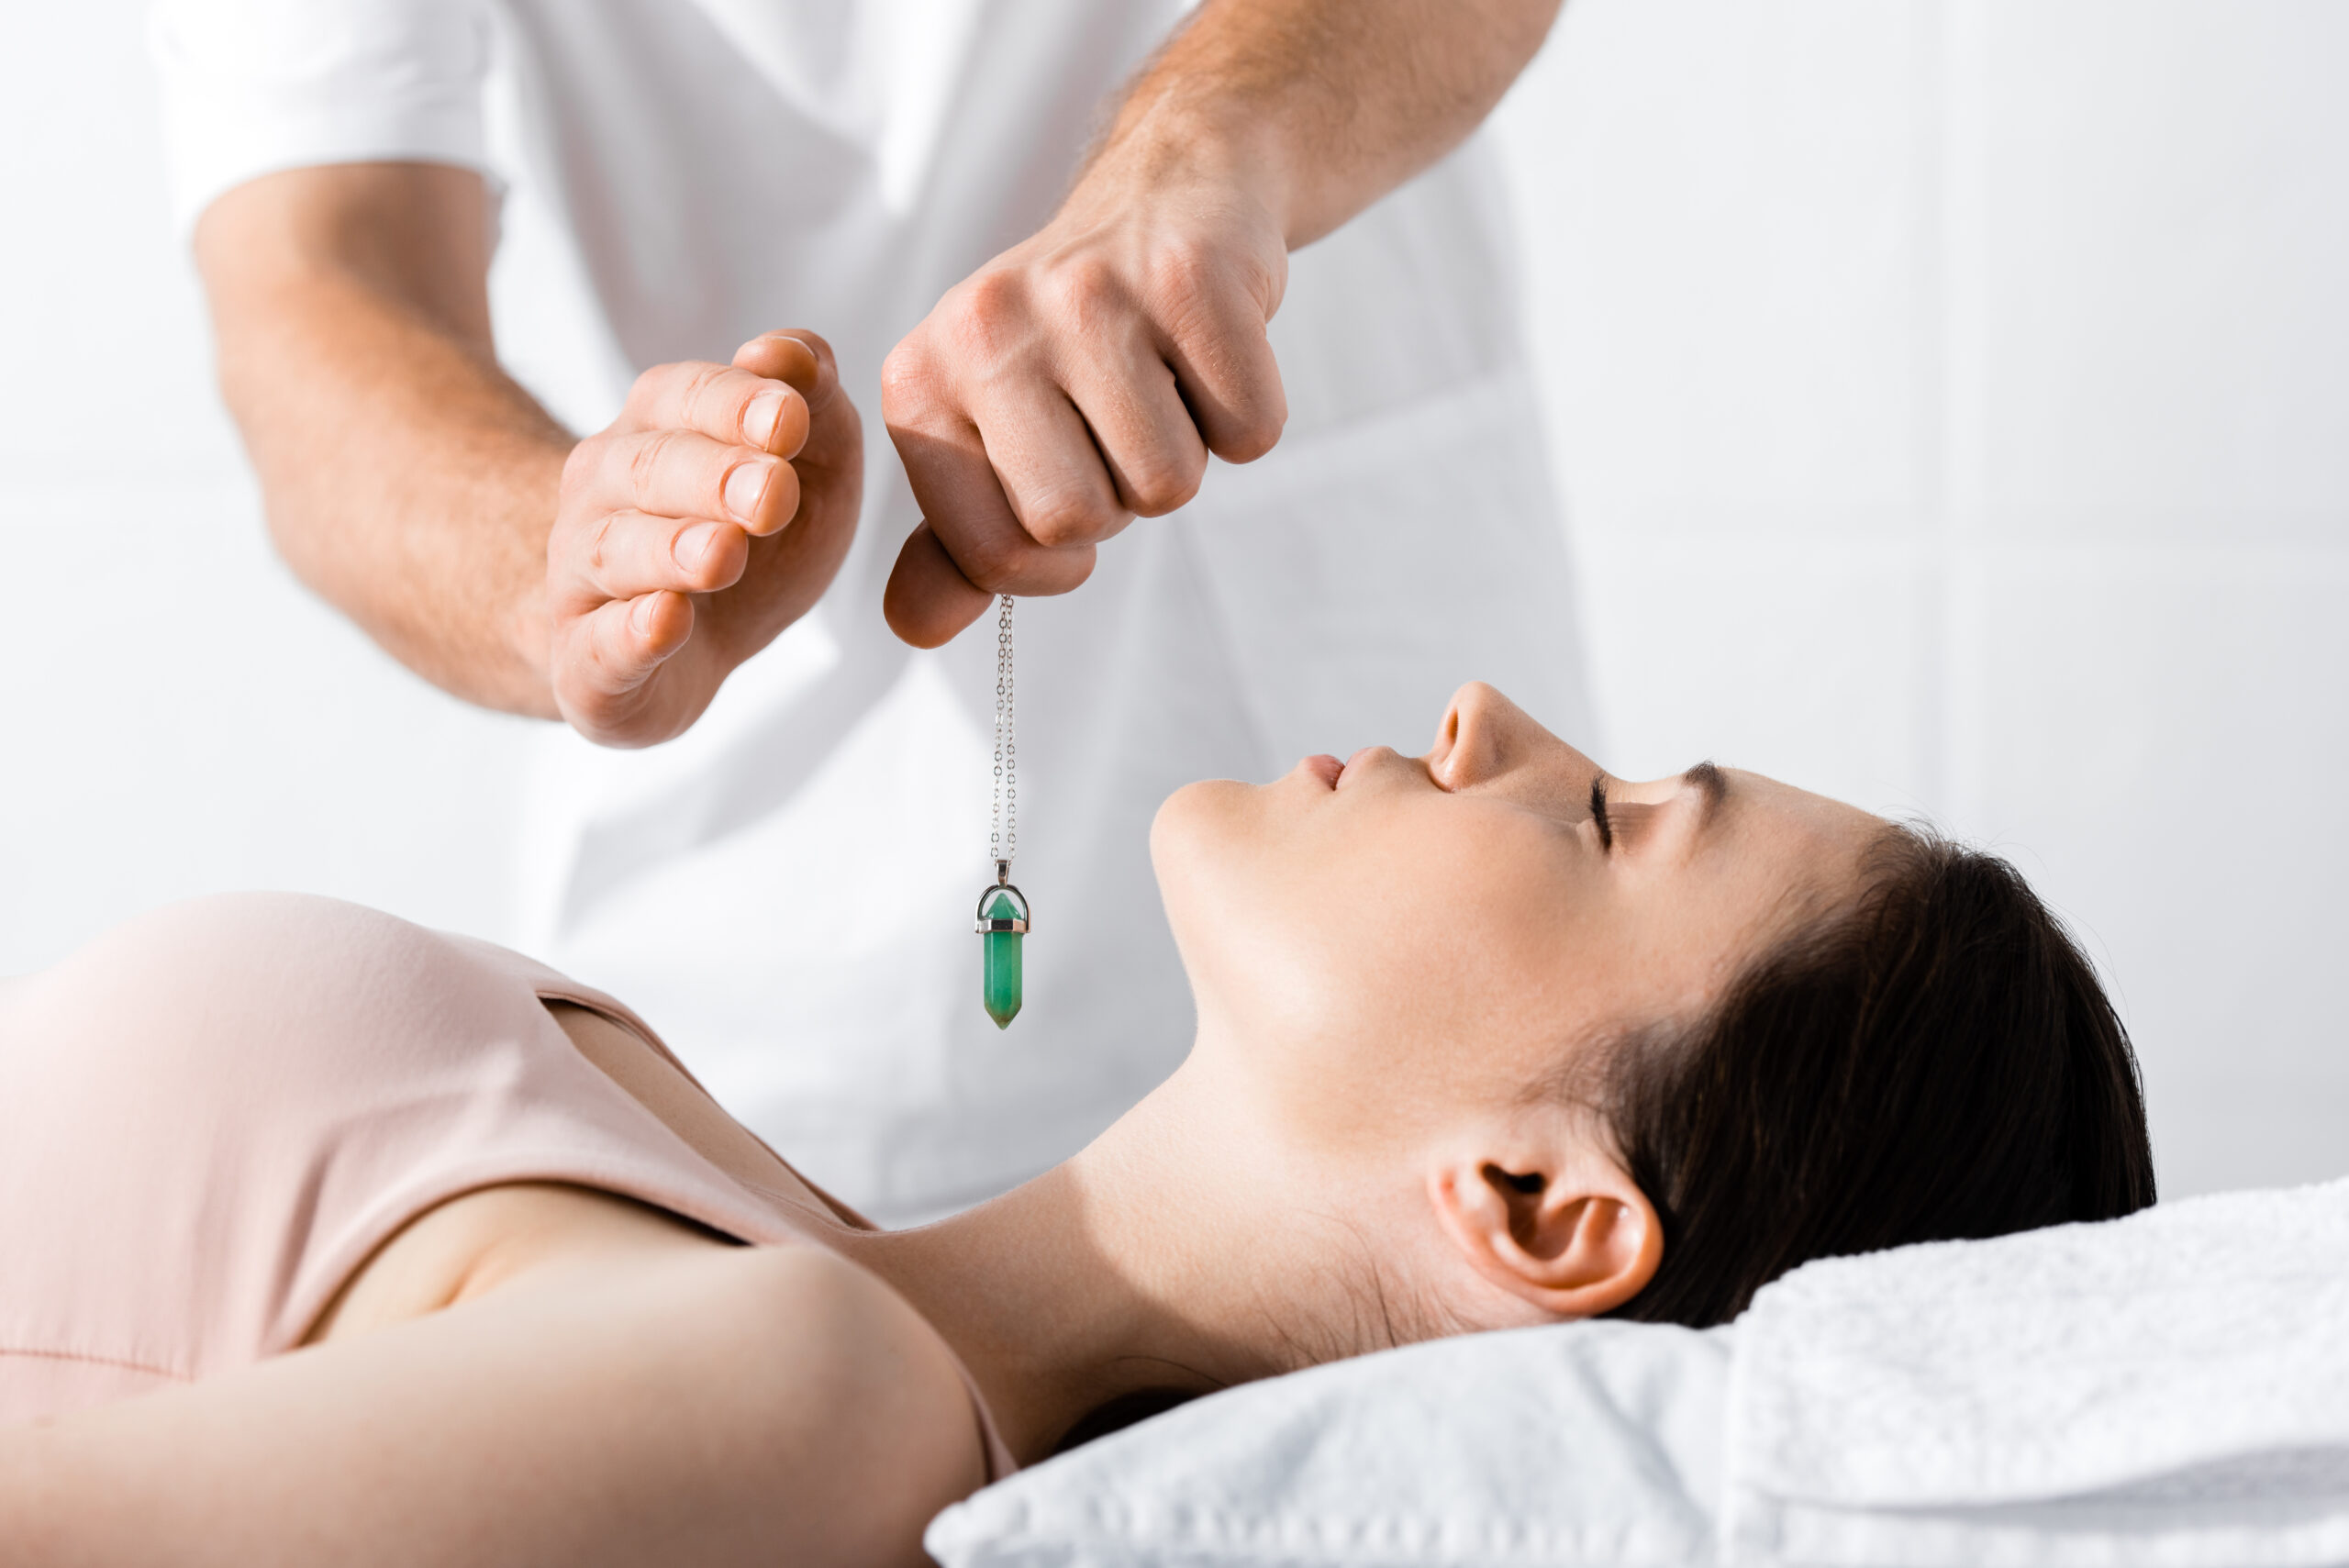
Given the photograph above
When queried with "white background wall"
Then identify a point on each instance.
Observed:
(1951, 401)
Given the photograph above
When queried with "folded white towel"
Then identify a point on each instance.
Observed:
(1591, 1445)
(2169, 1389)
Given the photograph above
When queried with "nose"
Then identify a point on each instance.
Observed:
(1473, 743)
(1486, 741)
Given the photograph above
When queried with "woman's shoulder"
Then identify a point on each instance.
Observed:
(834, 1368)
(240, 1039)
(282, 956)
(232, 936)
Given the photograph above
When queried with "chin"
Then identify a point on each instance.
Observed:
(1199, 829)
(1194, 826)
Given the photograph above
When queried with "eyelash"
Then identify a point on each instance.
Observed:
(1599, 813)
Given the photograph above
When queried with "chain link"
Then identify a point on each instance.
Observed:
(1003, 839)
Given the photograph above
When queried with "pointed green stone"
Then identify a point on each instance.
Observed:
(1001, 984)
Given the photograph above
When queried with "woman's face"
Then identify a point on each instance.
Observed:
(1389, 939)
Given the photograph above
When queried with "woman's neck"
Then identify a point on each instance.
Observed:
(1149, 1261)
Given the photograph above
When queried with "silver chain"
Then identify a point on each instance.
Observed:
(1003, 840)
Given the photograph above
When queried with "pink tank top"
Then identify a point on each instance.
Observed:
(210, 1117)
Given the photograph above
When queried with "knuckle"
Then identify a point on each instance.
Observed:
(645, 462)
(995, 294)
(601, 547)
(990, 314)
(1183, 268)
(1163, 488)
(1085, 287)
(1069, 518)
(715, 398)
(608, 667)
(1246, 439)
(704, 391)
(1258, 432)
(1188, 290)
(992, 562)
(1247, 423)
(904, 379)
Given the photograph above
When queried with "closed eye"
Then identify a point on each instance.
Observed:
(1598, 812)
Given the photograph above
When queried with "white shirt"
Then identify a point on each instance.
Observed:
(787, 891)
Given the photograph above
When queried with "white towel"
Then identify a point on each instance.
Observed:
(1591, 1445)
(2169, 1389)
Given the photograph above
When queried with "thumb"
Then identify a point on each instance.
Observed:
(928, 599)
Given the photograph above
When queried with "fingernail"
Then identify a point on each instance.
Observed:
(759, 420)
(745, 488)
(640, 616)
(693, 545)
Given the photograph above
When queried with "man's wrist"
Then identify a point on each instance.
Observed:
(531, 636)
(1173, 142)
(1315, 108)
(529, 622)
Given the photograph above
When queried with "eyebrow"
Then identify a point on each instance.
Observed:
(1714, 783)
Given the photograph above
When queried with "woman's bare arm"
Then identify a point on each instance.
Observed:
(709, 1405)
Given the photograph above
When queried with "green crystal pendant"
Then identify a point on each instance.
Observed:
(1002, 925)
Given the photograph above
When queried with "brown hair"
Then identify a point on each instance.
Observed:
(1936, 1062)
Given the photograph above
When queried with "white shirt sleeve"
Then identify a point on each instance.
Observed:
(252, 86)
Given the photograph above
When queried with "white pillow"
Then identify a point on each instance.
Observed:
(1587, 1445)
(2165, 1391)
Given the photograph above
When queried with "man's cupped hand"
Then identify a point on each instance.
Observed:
(708, 517)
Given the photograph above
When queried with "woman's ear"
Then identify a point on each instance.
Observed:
(1564, 1230)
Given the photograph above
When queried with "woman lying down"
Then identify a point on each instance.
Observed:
(415, 1251)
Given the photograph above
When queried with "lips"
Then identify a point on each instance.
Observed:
(1324, 767)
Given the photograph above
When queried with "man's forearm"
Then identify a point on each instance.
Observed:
(1145, 304)
(1321, 107)
(407, 479)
